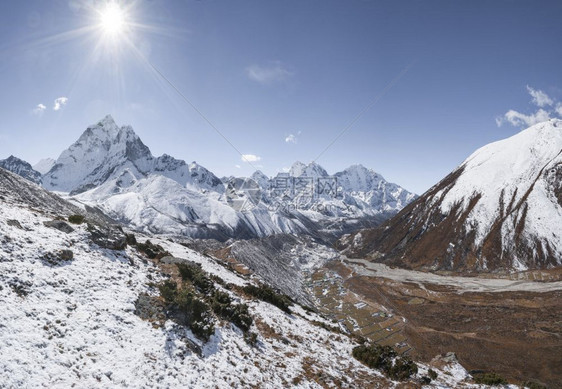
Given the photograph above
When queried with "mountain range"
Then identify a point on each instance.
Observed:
(111, 168)
(501, 209)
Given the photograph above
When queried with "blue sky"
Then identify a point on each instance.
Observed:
(281, 79)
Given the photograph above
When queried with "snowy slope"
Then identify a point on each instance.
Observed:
(44, 165)
(73, 323)
(501, 209)
(21, 168)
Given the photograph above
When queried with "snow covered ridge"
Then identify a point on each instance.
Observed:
(501, 209)
(71, 321)
(110, 167)
(21, 168)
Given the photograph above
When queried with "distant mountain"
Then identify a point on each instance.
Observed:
(105, 152)
(44, 165)
(501, 209)
(299, 169)
(110, 167)
(21, 168)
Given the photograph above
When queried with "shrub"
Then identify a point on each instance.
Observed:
(152, 250)
(197, 313)
(76, 219)
(237, 314)
(492, 379)
(131, 239)
(533, 385)
(425, 380)
(168, 290)
(381, 357)
(432, 374)
(269, 295)
(193, 272)
(402, 369)
(375, 356)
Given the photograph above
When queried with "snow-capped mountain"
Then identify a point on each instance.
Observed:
(299, 169)
(349, 190)
(370, 187)
(106, 151)
(44, 165)
(21, 168)
(110, 167)
(500, 209)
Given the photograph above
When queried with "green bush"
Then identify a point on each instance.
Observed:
(196, 301)
(197, 313)
(76, 219)
(152, 250)
(193, 272)
(425, 380)
(533, 385)
(269, 295)
(492, 379)
(432, 374)
(375, 356)
(168, 290)
(384, 358)
(402, 369)
(235, 313)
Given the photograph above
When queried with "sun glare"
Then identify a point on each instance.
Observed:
(113, 20)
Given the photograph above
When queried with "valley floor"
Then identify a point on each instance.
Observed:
(510, 327)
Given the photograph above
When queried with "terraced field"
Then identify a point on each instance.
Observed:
(353, 312)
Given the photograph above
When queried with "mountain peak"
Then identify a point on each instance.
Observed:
(311, 170)
(108, 119)
(21, 168)
(105, 151)
(94, 157)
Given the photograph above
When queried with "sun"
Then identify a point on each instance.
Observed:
(113, 20)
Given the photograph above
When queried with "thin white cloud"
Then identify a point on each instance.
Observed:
(250, 158)
(544, 112)
(237, 166)
(268, 74)
(519, 119)
(39, 109)
(540, 99)
(59, 103)
(291, 138)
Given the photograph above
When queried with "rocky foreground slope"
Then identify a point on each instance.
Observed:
(501, 209)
